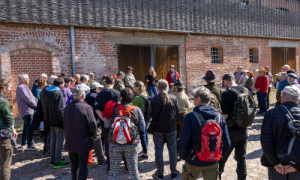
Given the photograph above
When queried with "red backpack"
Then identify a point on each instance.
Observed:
(211, 139)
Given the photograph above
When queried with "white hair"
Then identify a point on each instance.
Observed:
(23, 76)
(84, 77)
(44, 75)
(51, 79)
(286, 66)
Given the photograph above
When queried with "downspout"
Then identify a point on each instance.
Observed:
(73, 50)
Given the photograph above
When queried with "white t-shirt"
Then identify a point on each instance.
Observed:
(270, 76)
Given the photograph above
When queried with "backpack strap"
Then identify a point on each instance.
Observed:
(129, 108)
(199, 117)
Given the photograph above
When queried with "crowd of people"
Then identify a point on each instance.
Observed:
(113, 116)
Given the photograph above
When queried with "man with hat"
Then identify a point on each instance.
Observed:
(261, 86)
(119, 85)
(277, 134)
(91, 99)
(172, 76)
(79, 128)
(210, 79)
(129, 77)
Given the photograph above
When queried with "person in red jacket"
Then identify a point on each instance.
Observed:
(172, 76)
(261, 86)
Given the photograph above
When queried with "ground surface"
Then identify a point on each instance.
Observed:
(35, 165)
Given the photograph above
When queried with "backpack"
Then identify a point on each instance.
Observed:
(211, 139)
(124, 131)
(291, 154)
(244, 109)
(148, 106)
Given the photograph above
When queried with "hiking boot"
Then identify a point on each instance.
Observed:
(156, 176)
(174, 176)
(143, 157)
(31, 148)
(61, 164)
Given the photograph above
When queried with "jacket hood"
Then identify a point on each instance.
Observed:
(53, 88)
(207, 111)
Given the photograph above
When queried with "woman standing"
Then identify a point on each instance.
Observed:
(41, 83)
(7, 131)
(164, 109)
(150, 79)
(250, 81)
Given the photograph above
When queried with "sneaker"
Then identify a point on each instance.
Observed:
(31, 148)
(142, 157)
(174, 176)
(61, 164)
(156, 176)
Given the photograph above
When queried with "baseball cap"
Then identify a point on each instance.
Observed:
(96, 85)
(227, 76)
(77, 90)
(292, 75)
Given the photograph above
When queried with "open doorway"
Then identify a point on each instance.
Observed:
(282, 56)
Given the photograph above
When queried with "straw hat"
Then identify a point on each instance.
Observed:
(261, 69)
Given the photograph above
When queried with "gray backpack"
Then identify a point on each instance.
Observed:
(244, 109)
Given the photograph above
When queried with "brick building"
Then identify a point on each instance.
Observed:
(106, 36)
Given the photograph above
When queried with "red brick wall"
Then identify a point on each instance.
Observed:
(31, 61)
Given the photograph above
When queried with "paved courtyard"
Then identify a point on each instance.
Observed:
(35, 165)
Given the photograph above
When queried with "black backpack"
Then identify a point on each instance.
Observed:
(148, 106)
(291, 155)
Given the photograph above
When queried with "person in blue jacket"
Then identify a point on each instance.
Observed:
(191, 134)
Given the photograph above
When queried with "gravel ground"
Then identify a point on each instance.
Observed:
(35, 165)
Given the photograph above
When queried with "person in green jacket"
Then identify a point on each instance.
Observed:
(119, 85)
(8, 133)
(140, 100)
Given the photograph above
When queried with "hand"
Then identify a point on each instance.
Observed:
(280, 169)
(15, 134)
(147, 80)
(289, 169)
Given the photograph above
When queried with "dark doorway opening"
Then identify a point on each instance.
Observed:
(282, 56)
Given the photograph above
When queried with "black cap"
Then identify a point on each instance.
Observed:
(227, 76)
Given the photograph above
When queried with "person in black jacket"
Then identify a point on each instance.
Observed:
(55, 105)
(276, 136)
(164, 111)
(79, 128)
(151, 81)
(90, 99)
(191, 135)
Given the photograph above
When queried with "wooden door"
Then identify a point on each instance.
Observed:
(164, 57)
(277, 59)
(137, 57)
(291, 57)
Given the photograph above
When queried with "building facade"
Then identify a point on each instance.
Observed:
(107, 36)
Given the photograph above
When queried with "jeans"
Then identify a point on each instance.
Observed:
(6, 151)
(130, 152)
(56, 143)
(159, 140)
(262, 101)
(152, 91)
(273, 175)
(238, 140)
(79, 161)
(98, 146)
(268, 98)
(144, 136)
(27, 136)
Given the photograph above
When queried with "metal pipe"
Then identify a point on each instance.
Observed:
(73, 50)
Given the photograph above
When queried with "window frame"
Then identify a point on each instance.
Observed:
(216, 54)
(253, 55)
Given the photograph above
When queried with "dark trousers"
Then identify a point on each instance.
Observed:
(79, 162)
(6, 152)
(268, 98)
(28, 128)
(47, 138)
(238, 140)
(262, 101)
(105, 136)
(144, 136)
(98, 147)
(273, 175)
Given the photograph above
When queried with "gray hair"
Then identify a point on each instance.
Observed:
(291, 98)
(51, 79)
(121, 73)
(77, 91)
(23, 76)
(84, 77)
(163, 88)
(44, 75)
(204, 94)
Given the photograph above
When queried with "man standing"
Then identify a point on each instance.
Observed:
(27, 103)
(55, 110)
(238, 135)
(210, 79)
(172, 76)
(106, 95)
(270, 77)
(79, 128)
(191, 135)
(261, 86)
(276, 135)
(238, 74)
(77, 78)
(119, 85)
(84, 79)
(129, 78)
(91, 99)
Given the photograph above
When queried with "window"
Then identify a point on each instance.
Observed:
(244, 2)
(216, 55)
(253, 55)
(281, 10)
